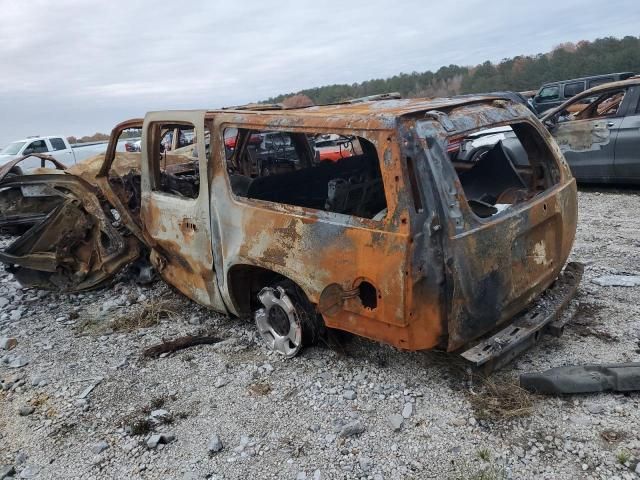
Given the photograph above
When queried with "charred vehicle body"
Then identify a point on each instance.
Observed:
(396, 242)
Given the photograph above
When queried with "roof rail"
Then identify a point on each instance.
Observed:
(256, 106)
(369, 98)
(374, 98)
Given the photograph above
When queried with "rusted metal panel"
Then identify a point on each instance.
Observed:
(527, 328)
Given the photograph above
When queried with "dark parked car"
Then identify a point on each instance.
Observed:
(599, 132)
(554, 94)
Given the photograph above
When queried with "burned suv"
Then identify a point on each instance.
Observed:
(398, 242)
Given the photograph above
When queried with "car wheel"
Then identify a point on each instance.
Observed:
(287, 320)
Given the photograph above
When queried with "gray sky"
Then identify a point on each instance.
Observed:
(74, 67)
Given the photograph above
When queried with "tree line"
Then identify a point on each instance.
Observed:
(521, 73)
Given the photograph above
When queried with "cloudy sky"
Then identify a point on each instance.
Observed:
(74, 67)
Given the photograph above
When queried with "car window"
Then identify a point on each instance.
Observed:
(57, 144)
(606, 105)
(599, 81)
(175, 164)
(37, 146)
(572, 89)
(290, 168)
(551, 92)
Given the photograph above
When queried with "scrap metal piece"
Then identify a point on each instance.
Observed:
(622, 377)
(504, 346)
(180, 343)
(556, 327)
(73, 245)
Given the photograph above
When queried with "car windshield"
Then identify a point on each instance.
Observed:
(12, 148)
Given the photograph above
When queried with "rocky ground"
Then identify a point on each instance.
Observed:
(78, 399)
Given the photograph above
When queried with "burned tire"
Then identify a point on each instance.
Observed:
(287, 321)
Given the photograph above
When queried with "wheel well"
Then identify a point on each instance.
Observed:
(245, 281)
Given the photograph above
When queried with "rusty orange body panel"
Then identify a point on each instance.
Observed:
(438, 275)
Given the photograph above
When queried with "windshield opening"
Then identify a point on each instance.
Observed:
(12, 148)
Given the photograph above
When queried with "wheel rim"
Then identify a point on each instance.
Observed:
(278, 322)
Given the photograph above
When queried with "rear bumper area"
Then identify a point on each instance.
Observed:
(527, 328)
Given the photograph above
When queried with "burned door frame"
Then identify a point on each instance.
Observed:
(178, 229)
(325, 253)
(626, 162)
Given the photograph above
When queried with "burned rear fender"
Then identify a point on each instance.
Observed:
(74, 243)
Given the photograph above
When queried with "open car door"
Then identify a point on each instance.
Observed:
(175, 210)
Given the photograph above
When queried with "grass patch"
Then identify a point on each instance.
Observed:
(157, 403)
(488, 472)
(501, 399)
(141, 426)
(149, 315)
(484, 454)
(138, 316)
(623, 457)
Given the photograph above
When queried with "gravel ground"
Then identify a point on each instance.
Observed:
(233, 410)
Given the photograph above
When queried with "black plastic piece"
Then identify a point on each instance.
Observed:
(622, 377)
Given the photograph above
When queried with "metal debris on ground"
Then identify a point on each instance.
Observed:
(181, 343)
(617, 281)
(622, 377)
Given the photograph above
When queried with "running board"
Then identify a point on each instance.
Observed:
(545, 316)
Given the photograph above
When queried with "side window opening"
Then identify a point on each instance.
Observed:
(549, 93)
(124, 174)
(37, 146)
(57, 144)
(573, 89)
(331, 172)
(175, 159)
(600, 81)
(503, 166)
(604, 105)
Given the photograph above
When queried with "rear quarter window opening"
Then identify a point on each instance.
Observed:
(502, 166)
(332, 172)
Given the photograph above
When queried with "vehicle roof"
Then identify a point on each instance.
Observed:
(589, 77)
(37, 137)
(364, 114)
(593, 91)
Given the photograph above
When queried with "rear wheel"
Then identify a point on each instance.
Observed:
(287, 320)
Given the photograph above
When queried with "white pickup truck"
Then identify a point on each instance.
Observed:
(56, 146)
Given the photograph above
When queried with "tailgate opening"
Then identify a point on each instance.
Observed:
(501, 167)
